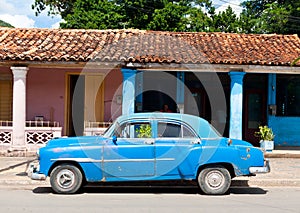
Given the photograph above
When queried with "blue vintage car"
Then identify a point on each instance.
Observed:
(149, 147)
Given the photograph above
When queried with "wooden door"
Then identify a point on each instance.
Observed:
(85, 102)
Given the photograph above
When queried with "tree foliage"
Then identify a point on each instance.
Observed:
(271, 16)
(4, 24)
(226, 21)
(94, 14)
(258, 16)
(62, 7)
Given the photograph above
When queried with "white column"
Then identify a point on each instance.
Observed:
(19, 107)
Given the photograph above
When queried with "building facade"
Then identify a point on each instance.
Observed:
(75, 82)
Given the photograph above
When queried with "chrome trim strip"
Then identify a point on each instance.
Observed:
(139, 160)
(90, 160)
(80, 160)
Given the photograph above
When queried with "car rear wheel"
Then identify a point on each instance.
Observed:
(214, 180)
(66, 179)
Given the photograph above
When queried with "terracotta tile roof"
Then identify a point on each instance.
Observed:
(146, 46)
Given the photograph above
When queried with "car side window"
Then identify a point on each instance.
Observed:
(173, 130)
(168, 130)
(134, 130)
(187, 133)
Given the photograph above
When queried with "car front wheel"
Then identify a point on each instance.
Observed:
(214, 180)
(66, 179)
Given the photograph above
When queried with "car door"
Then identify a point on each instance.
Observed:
(177, 149)
(131, 154)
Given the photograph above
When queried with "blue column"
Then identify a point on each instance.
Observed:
(272, 89)
(236, 105)
(180, 91)
(271, 94)
(128, 91)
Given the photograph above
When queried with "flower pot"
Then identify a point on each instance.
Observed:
(267, 146)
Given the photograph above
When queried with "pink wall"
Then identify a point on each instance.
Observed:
(45, 94)
(113, 91)
(5, 70)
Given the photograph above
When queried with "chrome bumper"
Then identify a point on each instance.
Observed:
(263, 169)
(33, 173)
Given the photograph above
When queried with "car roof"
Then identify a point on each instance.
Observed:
(200, 125)
(161, 115)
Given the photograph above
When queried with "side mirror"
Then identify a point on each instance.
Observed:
(114, 139)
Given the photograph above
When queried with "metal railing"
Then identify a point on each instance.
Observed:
(33, 123)
(89, 124)
(36, 132)
(95, 128)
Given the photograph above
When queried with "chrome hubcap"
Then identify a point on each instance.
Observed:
(65, 178)
(215, 179)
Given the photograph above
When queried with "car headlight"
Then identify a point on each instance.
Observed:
(38, 154)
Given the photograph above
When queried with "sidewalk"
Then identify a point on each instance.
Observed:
(285, 172)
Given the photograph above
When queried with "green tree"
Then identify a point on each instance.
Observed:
(183, 16)
(94, 14)
(62, 7)
(271, 16)
(180, 15)
(169, 18)
(226, 21)
(4, 24)
(196, 20)
(138, 13)
(258, 16)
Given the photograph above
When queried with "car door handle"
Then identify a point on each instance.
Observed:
(149, 142)
(197, 141)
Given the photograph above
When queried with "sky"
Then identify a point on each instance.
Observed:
(222, 5)
(19, 13)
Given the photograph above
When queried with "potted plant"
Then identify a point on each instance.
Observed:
(266, 136)
(144, 131)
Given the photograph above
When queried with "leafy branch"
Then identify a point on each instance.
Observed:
(144, 131)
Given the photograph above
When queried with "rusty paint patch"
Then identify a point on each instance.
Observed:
(56, 150)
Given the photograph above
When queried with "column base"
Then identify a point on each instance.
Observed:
(17, 148)
(180, 108)
(15, 151)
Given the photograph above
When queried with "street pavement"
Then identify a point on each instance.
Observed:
(285, 172)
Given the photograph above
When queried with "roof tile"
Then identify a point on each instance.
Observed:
(147, 46)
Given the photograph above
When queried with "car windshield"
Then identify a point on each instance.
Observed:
(109, 131)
